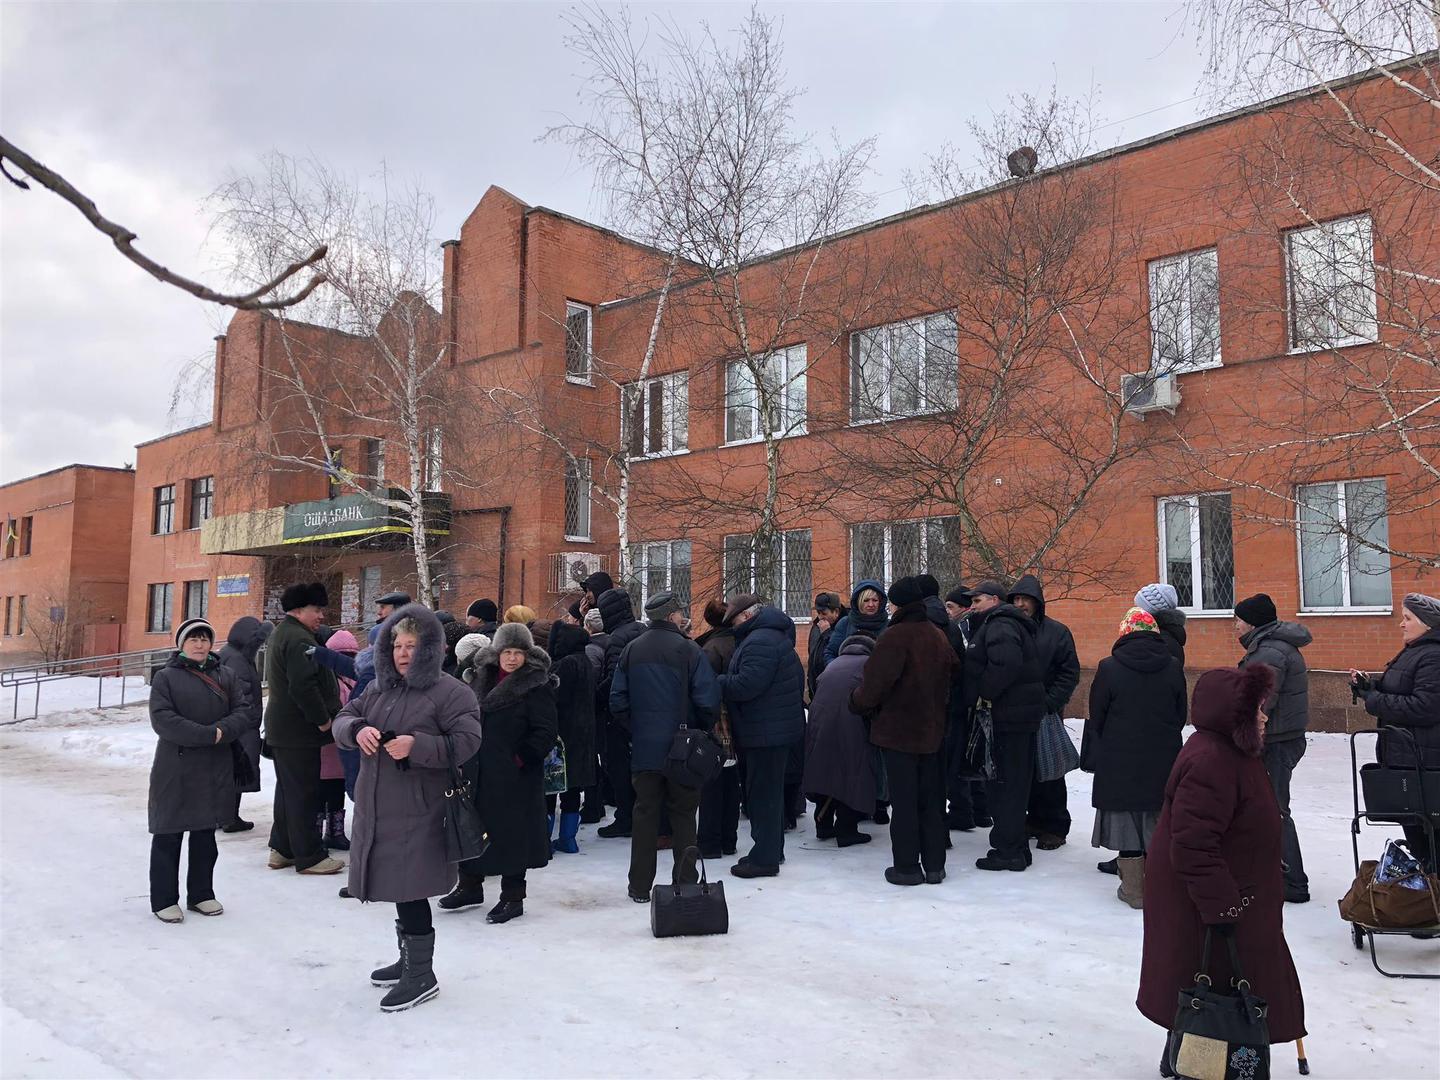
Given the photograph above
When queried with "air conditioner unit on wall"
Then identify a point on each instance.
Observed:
(1149, 392)
(569, 568)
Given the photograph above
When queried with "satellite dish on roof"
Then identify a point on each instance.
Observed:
(1022, 162)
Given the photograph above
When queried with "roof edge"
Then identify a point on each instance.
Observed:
(66, 468)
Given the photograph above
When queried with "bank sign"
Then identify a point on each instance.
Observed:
(351, 516)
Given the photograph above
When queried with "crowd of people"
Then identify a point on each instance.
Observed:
(909, 710)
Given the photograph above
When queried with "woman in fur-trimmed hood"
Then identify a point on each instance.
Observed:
(516, 692)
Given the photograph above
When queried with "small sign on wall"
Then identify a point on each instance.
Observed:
(233, 585)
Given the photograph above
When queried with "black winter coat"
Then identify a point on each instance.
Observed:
(1278, 644)
(1407, 695)
(618, 614)
(303, 697)
(1059, 663)
(1002, 666)
(662, 681)
(518, 728)
(192, 781)
(764, 688)
(1172, 632)
(575, 702)
(238, 654)
(816, 640)
(1137, 711)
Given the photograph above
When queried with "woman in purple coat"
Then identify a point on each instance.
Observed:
(1214, 860)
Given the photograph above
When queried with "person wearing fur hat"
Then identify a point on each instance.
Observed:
(197, 707)
(1163, 602)
(1214, 861)
(303, 701)
(242, 646)
(516, 691)
(1407, 695)
(1277, 644)
(1132, 735)
(401, 728)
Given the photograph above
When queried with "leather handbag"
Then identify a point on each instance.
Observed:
(694, 758)
(465, 837)
(689, 910)
(1218, 1034)
(1392, 905)
(1055, 753)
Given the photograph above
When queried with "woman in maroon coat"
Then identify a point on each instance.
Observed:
(1214, 860)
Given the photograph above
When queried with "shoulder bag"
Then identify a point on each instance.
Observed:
(1220, 1035)
(689, 910)
(1055, 753)
(464, 833)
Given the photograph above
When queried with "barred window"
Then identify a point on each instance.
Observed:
(655, 415)
(578, 320)
(1185, 312)
(1197, 551)
(904, 369)
(888, 551)
(775, 404)
(1344, 546)
(577, 499)
(779, 571)
(1331, 272)
(660, 566)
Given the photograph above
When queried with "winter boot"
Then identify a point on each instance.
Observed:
(592, 813)
(995, 861)
(238, 825)
(1109, 866)
(825, 820)
(325, 866)
(171, 914)
(505, 910)
(417, 975)
(468, 892)
(615, 830)
(390, 974)
(569, 829)
(335, 838)
(882, 813)
(1132, 881)
(208, 907)
(896, 876)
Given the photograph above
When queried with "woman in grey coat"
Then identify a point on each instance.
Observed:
(401, 726)
(197, 707)
(242, 645)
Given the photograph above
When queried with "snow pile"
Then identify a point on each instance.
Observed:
(827, 971)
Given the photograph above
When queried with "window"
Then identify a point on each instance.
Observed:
(1332, 284)
(434, 477)
(782, 380)
(904, 369)
(157, 611)
(660, 567)
(577, 343)
(375, 463)
(163, 518)
(27, 534)
(1344, 533)
(202, 499)
(369, 589)
(12, 537)
(890, 551)
(1185, 312)
(1197, 553)
(780, 574)
(655, 415)
(197, 599)
(20, 616)
(9, 606)
(577, 499)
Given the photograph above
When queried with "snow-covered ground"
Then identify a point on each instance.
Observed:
(77, 693)
(827, 970)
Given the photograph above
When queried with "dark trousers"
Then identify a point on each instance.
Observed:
(332, 795)
(512, 886)
(720, 812)
(1047, 811)
(617, 768)
(917, 810)
(652, 791)
(297, 804)
(1008, 794)
(165, 868)
(967, 800)
(765, 802)
(414, 916)
(569, 802)
(1280, 761)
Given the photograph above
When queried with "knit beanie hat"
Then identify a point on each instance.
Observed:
(1425, 608)
(484, 610)
(512, 635)
(594, 621)
(929, 586)
(469, 645)
(343, 641)
(190, 627)
(1138, 620)
(1157, 597)
(1257, 610)
(906, 591)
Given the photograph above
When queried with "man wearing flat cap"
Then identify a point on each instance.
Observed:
(661, 682)
(390, 602)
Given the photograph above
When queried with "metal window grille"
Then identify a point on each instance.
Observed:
(577, 342)
(1197, 551)
(885, 552)
(781, 571)
(577, 499)
(660, 566)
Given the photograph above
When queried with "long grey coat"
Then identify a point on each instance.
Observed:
(397, 845)
(192, 782)
(241, 645)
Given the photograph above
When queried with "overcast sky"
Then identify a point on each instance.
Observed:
(148, 107)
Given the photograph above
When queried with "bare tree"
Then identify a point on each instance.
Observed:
(54, 618)
(259, 298)
(370, 367)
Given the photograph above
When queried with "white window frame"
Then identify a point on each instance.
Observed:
(1197, 555)
(640, 566)
(1346, 607)
(889, 332)
(784, 582)
(675, 386)
(888, 526)
(794, 403)
(1329, 228)
(1185, 301)
(578, 472)
(434, 460)
(574, 308)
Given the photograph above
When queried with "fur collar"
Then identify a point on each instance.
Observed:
(429, 655)
(534, 674)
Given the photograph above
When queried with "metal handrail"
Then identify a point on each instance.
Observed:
(111, 665)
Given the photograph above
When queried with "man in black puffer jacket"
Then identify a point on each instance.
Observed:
(618, 614)
(1048, 815)
(1002, 666)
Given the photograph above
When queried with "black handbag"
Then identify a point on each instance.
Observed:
(689, 910)
(1217, 1034)
(243, 769)
(694, 758)
(979, 742)
(465, 837)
